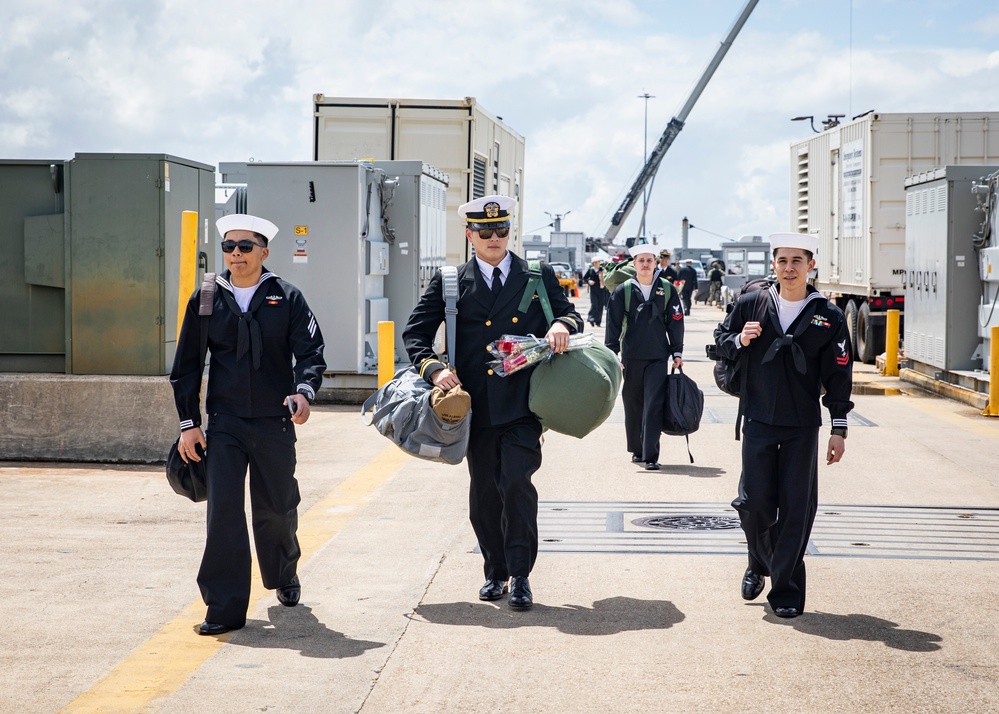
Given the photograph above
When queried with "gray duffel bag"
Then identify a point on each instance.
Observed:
(403, 409)
(403, 412)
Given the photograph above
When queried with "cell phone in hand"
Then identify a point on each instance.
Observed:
(291, 406)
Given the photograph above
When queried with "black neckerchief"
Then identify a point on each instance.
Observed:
(248, 334)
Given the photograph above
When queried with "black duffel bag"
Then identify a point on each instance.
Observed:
(683, 407)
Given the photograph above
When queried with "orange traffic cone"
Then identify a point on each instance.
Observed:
(575, 293)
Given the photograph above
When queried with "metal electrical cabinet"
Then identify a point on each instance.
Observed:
(330, 244)
(124, 215)
(94, 242)
(32, 271)
(333, 217)
(942, 290)
(416, 216)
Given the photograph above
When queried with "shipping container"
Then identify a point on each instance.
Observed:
(480, 154)
(848, 188)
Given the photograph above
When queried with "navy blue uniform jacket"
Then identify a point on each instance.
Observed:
(250, 371)
(777, 393)
(655, 326)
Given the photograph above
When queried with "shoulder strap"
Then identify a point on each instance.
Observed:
(449, 275)
(207, 302)
(206, 306)
(535, 285)
(760, 313)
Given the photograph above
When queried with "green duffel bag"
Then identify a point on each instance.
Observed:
(617, 273)
(574, 392)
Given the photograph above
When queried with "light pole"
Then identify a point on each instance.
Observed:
(645, 157)
(557, 220)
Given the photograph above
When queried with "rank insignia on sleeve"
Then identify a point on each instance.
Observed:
(677, 312)
(843, 358)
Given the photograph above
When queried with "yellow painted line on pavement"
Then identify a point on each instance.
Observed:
(159, 666)
(977, 424)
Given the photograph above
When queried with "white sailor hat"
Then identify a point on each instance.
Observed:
(640, 248)
(488, 212)
(801, 241)
(246, 222)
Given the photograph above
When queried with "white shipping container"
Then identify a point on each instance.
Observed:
(848, 187)
(480, 154)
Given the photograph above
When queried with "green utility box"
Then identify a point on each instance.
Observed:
(96, 247)
(32, 267)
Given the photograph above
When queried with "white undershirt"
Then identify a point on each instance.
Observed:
(787, 311)
(243, 296)
(646, 290)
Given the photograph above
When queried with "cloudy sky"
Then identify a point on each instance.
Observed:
(228, 80)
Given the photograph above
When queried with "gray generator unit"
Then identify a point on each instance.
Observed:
(942, 289)
(362, 241)
(416, 216)
(987, 244)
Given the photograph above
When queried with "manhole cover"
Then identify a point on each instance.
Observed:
(688, 523)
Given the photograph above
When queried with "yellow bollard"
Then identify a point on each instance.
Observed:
(188, 263)
(891, 344)
(992, 409)
(386, 351)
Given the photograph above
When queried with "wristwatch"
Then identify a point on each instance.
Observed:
(839, 431)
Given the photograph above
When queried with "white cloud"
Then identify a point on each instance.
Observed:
(228, 80)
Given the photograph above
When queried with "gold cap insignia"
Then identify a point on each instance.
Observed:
(492, 210)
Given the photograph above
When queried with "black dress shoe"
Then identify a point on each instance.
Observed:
(636, 459)
(651, 465)
(493, 590)
(214, 628)
(289, 595)
(521, 596)
(752, 585)
(786, 611)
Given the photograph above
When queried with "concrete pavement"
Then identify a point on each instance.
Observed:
(99, 566)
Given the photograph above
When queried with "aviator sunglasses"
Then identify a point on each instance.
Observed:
(245, 246)
(487, 233)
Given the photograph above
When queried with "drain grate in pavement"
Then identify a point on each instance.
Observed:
(849, 531)
(688, 523)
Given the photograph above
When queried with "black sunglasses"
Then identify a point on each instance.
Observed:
(487, 233)
(245, 246)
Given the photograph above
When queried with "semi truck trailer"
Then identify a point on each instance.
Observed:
(848, 188)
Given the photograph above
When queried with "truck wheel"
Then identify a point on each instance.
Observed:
(867, 349)
(850, 311)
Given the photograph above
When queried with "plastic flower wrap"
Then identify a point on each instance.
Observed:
(517, 352)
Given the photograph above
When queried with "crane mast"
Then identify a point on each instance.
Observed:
(655, 158)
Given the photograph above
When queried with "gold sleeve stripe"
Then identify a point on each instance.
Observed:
(429, 363)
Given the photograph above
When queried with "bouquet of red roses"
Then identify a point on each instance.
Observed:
(516, 352)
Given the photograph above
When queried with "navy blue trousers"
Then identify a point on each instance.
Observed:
(644, 396)
(266, 446)
(502, 501)
(778, 498)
